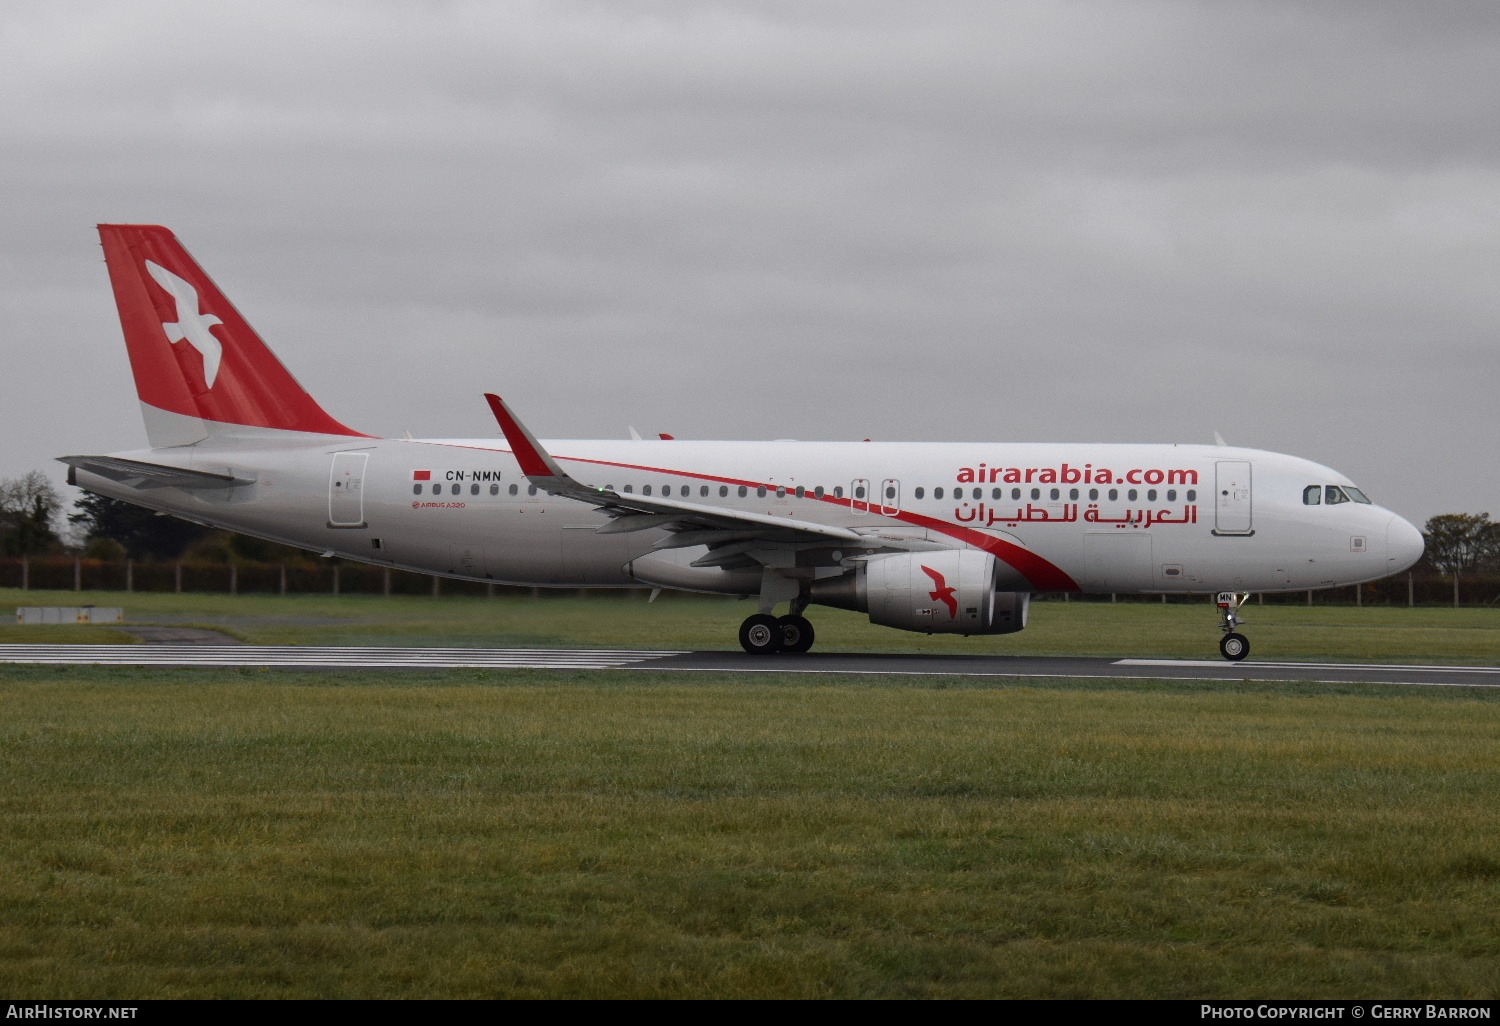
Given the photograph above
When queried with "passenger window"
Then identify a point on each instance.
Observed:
(997, 493)
(1072, 493)
(918, 492)
(744, 491)
(437, 489)
(1171, 494)
(818, 492)
(1192, 496)
(1334, 495)
(1015, 493)
(1093, 494)
(1055, 493)
(1151, 495)
(781, 491)
(760, 493)
(473, 489)
(455, 489)
(703, 492)
(531, 489)
(646, 490)
(494, 489)
(1131, 495)
(937, 493)
(1036, 493)
(723, 491)
(1312, 495)
(838, 491)
(859, 493)
(416, 489)
(514, 489)
(1114, 494)
(629, 489)
(978, 493)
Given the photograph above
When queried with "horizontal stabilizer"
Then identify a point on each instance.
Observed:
(149, 475)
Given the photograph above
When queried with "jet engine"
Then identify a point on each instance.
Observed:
(947, 592)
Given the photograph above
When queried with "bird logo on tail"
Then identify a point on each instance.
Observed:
(942, 593)
(192, 326)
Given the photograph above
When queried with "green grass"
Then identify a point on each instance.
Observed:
(61, 634)
(247, 834)
(604, 621)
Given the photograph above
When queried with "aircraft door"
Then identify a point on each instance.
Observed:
(859, 494)
(1232, 498)
(890, 496)
(346, 489)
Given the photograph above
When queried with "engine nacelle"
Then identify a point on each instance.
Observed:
(946, 592)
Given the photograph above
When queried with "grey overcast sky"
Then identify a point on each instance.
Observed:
(1000, 221)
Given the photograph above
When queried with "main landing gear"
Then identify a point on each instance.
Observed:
(1233, 645)
(763, 634)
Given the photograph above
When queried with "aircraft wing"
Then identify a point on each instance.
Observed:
(731, 534)
(138, 474)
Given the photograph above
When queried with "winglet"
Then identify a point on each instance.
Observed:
(528, 452)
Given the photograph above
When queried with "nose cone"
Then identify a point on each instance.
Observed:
(1403, 545)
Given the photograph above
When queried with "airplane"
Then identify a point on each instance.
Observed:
(935, 538)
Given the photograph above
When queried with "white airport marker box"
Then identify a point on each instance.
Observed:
(70, 614)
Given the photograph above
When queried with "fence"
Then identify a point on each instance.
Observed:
(66, 573)
(70, 574)
(1411, 590)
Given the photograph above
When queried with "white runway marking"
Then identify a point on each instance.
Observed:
(354, 658)
(1249, 665)
(377, 658)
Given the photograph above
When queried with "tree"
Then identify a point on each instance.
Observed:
(139, 530)
(1463, 543)
(28, 507)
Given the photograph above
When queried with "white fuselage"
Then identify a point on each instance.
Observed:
(1107, 518)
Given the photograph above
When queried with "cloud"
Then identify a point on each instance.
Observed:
(1059, 220)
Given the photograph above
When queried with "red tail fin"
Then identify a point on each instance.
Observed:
(193, 355)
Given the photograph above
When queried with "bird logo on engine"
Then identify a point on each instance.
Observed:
(942, 592)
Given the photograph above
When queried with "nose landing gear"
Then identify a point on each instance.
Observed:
(1233, 645)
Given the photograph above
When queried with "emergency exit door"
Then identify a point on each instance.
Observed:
(1232, 497)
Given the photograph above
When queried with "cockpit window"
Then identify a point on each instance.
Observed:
(1335, 494)
(1356, 495)
(1312, 495)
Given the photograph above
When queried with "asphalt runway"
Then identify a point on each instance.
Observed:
(319, 657)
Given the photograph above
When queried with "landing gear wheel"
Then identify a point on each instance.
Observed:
(796, 633)
(1234, 647)
(760, 634)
